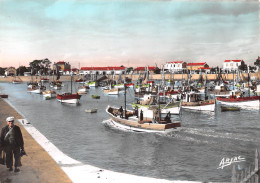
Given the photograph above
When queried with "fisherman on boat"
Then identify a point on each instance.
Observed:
(121, 112)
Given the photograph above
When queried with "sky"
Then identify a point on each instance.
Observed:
(127, 32)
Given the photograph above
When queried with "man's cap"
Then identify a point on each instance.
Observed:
(11, 118)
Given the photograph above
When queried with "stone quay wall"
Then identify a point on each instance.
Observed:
(134, 77)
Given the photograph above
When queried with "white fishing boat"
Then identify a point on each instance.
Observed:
(36, 89)
(91, 110)
(193, 101)
(113, 91)
(83, 89)
(47, 94)
(251, 102)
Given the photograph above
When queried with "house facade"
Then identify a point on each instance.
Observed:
(231, 65)
(11, 71)
(175, 66)
(102, 70)
(197, 66)
(61, 66)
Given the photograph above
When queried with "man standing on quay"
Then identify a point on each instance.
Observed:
(12, 142)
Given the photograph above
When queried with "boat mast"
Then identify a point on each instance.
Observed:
(125, 99)
(248, 78)
(71, 83)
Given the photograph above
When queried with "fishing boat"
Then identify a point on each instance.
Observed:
(113, 91)
(193, 101)
(242, 100)
(15, 81)
(229, 108)
(91, 84)
(91, 110)
(48, 94)
(69, 97)
(95, 96)
(250, 101)
(83, 89)
(36, 89)
(136, 121)
(150, 103)
(129, 85)
(80, 80)
(132, 122)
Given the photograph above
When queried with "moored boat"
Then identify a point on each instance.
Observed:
(252, 101)
(68, 98)
(48, 94)
(229, 108)
(193, 102)
(95, 96)
(91, 110)
(113, 91)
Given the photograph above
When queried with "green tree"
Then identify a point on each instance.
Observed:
(243, 66)
(157, 70)
(129, 69)
(2, 71)
(257, 62)
(40, 66)
(20, 71)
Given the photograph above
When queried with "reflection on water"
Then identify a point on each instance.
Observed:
(193, 153)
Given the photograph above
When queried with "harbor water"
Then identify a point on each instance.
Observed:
(193, 153)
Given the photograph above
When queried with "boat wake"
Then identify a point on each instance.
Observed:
(195, 134)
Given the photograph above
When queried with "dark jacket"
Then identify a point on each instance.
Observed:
(18, 136)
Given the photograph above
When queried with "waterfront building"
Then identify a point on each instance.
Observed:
(175, 66)
(61, 66)
(197, 66)
(10, 71)
(140, 70)
(102, 70)
(231, 65)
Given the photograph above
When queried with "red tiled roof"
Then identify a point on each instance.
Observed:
(102, 68)
(176, 62)
(143, 68)
(205, 68)
(196, 64)
(61, 62)
(232, 60)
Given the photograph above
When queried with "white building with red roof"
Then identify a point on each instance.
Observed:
(231, 65)
(175, 66)
(102, 70)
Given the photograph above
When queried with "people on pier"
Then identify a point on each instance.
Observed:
(11, 141)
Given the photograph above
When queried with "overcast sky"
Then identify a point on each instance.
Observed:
(127, 32)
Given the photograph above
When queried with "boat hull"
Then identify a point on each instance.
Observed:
(132, 124)
(241, 102)
(70, 99)
(208, 105)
